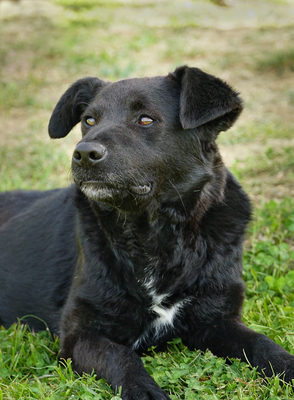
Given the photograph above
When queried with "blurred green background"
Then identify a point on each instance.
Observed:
(46, 45)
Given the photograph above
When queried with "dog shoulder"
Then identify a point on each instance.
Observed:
(227, 221)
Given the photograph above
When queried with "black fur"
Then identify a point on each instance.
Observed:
(147, 244)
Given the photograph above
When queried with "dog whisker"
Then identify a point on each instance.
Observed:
(179, 194)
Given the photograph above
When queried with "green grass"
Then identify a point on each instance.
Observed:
(278, 61)
(27, 167)
(258, 133)
(30, 370)
(272, 162)
(41, 56)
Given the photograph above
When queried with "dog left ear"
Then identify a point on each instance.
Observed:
(67, 112)
(206, 101)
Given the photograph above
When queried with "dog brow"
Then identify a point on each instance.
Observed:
(137, 105)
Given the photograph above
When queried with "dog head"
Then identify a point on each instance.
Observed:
(146, 139)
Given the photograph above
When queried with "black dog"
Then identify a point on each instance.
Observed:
(147, 245)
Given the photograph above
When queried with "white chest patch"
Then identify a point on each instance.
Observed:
(166, 315)
(164, 320)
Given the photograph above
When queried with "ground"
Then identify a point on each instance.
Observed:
(46, 45)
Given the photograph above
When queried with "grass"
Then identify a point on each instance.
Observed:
(29, 369)
(33, 170)
(278, 61)
(119, 39)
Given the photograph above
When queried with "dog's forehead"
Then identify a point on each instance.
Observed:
(144, 91)
(133, 86)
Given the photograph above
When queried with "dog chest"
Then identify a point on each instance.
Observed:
(165, 315)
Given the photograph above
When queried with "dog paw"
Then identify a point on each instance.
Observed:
(143, 391)
(288, 376)
(141, 394)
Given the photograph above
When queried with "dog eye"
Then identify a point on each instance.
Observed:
(145, 120)
(90, 121)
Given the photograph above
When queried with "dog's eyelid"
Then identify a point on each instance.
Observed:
(145, 120)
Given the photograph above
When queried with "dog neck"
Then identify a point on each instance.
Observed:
(134, 241)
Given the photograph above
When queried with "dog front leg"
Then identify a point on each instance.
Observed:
(119, 365)
(231, 338)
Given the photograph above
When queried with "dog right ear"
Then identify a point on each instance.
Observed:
(69, 109)
(206, 102)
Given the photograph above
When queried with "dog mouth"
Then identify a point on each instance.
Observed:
(97, 190)
(141, 190)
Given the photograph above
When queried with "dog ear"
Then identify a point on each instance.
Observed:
(67, 112)
(206, 101)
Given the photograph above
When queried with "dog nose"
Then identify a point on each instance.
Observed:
(87, 155)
